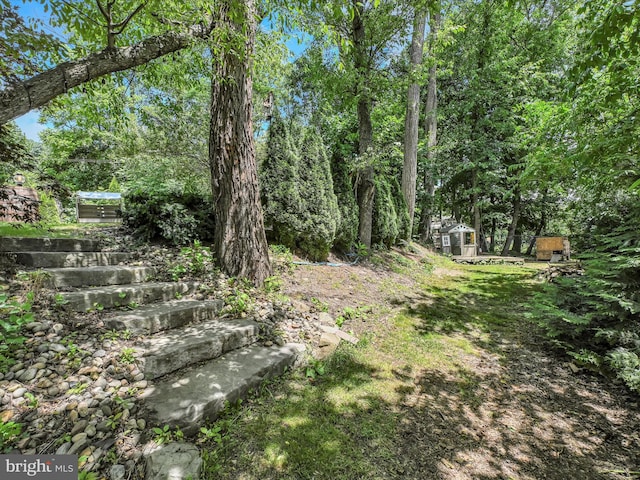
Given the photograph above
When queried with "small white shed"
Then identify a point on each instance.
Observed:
(459, 240)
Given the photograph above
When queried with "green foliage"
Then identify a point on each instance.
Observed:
(350, 313)
(389, 220)
(347, 227)
(301, 209)
(114, 185)
(321, 215)
(238, 302)
(316, 368)
(14, 314)
(211, 434)
(9, 432)
(193, 260)
(281, 258)
(596, 316)
(319, 305)
(127, 356)
(279, 186)
(13, 150)
(165, 435)
(49, 215)
(164, 212)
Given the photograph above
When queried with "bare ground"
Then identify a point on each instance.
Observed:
(516, 409)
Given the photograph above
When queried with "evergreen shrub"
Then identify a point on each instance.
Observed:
(300, 207)
(596, 317)
(390, 215)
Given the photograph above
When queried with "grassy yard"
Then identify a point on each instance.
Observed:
(351, 422)
(36, 230)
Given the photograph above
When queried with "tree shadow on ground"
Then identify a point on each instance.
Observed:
(336, 428)
(512, 409)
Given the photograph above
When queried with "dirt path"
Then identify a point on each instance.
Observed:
(514, 409)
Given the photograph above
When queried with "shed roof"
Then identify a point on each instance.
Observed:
(460, 227)
(99, 195)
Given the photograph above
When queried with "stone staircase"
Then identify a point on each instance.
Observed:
(193, 361)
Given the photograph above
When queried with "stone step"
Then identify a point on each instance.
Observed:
(70, 259)
(25, 244)
(98, 276)
(171, 351)
(149, 319)
(199, 394)
(119, 295)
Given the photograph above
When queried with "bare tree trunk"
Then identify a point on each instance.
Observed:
(410, 167)
(431, 132)
(239, 237)
(492, 244)
(517, 202)
(539, 228)
(475, 202)
(21, 97)
(365, 186)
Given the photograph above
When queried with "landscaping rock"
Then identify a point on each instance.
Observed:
(174, 461)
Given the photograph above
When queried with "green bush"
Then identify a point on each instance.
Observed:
(163, 213)
(347, 228)
(386, 223)
(596, 317)
(48, 210)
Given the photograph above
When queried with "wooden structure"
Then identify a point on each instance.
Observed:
(553, 249)
(458, 240)
(98, 207)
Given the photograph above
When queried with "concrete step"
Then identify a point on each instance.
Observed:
(149, 319)
(25, 244)
(119, 295)
(171, 351)
(195, 395)
(70, 259)
(98, 276)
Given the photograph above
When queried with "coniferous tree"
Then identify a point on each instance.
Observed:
(347, 228)
(280, 188)
(321, 215)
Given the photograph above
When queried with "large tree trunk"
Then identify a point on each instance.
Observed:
(365, 184)
(431, 132)
(21, 97)
(412, 117)
(517, 201)
(239, 237)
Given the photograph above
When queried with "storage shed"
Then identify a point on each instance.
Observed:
(554, 249)
(459, 240)
(98, 207)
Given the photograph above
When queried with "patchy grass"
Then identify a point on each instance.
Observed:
(35, 230)
(347, 423)
(447, 382)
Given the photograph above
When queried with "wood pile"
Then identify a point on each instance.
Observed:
(564, 270)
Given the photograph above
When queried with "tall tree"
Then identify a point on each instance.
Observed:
(239, 237)
(365, 184)
(412, 117)
(430, 129)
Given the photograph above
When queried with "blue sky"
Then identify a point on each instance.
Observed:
(28, 122)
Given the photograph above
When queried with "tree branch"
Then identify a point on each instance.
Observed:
(35, 92)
